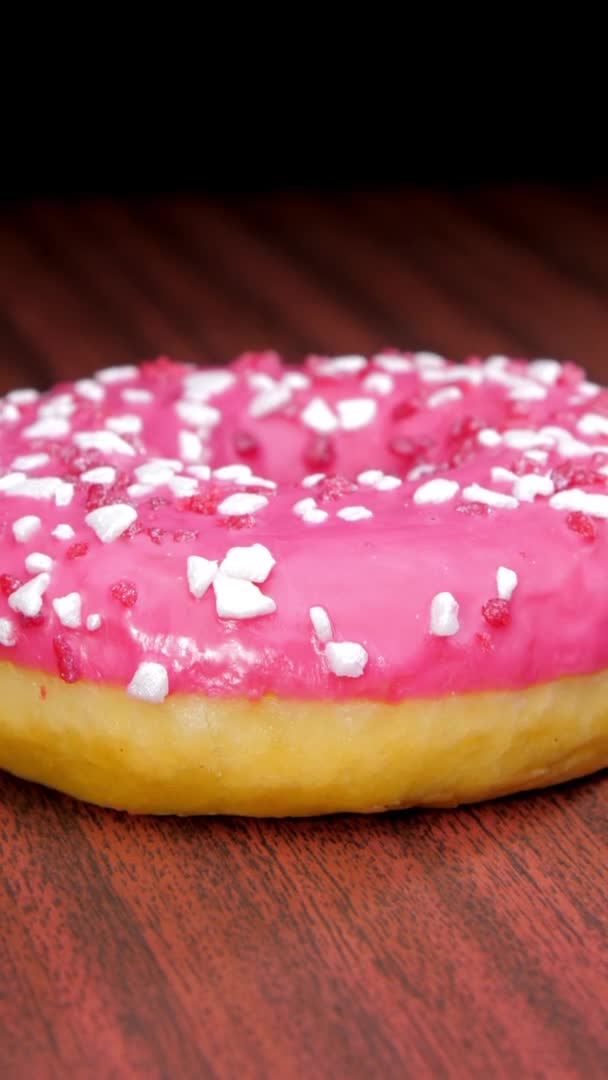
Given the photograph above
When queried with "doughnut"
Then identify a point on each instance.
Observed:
(262, 589)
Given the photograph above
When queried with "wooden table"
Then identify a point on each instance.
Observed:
(444, 944)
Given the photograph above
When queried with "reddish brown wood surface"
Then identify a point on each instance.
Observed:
(467, 943)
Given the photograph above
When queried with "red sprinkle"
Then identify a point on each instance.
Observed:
(245, 444)
(125, 592)
(235, 521)
(320, 453)
(404, 409)
(582, 524)
(9, 584)
(204, 502)
(156, 534)
(484, 641)
(333, 487)
(405, 449)
(182, 536)
(77, 550)
(568, 475)
(43, 692)
(474, 509)
(496, 612)
(68, 660)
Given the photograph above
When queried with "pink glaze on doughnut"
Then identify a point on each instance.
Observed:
(377, 579)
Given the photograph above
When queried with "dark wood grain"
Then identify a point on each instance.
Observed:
(466, 943)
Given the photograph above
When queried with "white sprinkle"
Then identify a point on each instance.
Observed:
(108, 442)
(356, 413)
(190, 447)
(167, 463)
(527, 487)
(239, 473)
(51, 427)
(37, 563)
(205, 384)
(527, 391)
(11, 480)
(62, 405)
(370, 477)
(110, 522)
(260, 481)
(149, 683)
(198, 414)
(315, 516)
(395, 365)
(138, 491)
(476, 493)
(388, 483)
(93, 621)
(25, 527)
(252, 563)
(318, 416)
(242, 503)
(296, 380)
(567, 445)
(260, 380)
(312, 479)
(64, 494)
(104, 474)
(526, 438)
(63, 532)
(68, 609)
(133, 396)
(536, 455)
(506, 582)
(129, 424)
(470, 373)
(589, 424)
(154, 475)
(421, 470)
(354, 513)
(501, 475)
(436, 491)
(36, 487)
(586, 389)
(9, 414)
(489, 437)
(429, 360)
(28, 598)
(111, 375)
(202, 472)
(496, 363)
(238, 599)
(302, 506)
(30, 461)
(379, 382)
(346, 658)
(89, 389)
(23, 397)
(341, 365)
(444, 615)
(321, 624)
(269, 401)
(200, 573)
(183, 486)
(8, 633)
(575, 499)
(546, 371)
(441, 397)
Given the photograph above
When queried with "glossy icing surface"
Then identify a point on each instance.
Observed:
(376, 579)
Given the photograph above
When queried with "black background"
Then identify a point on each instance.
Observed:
(124, 120)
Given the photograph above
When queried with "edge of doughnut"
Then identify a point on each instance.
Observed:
(273, 757)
